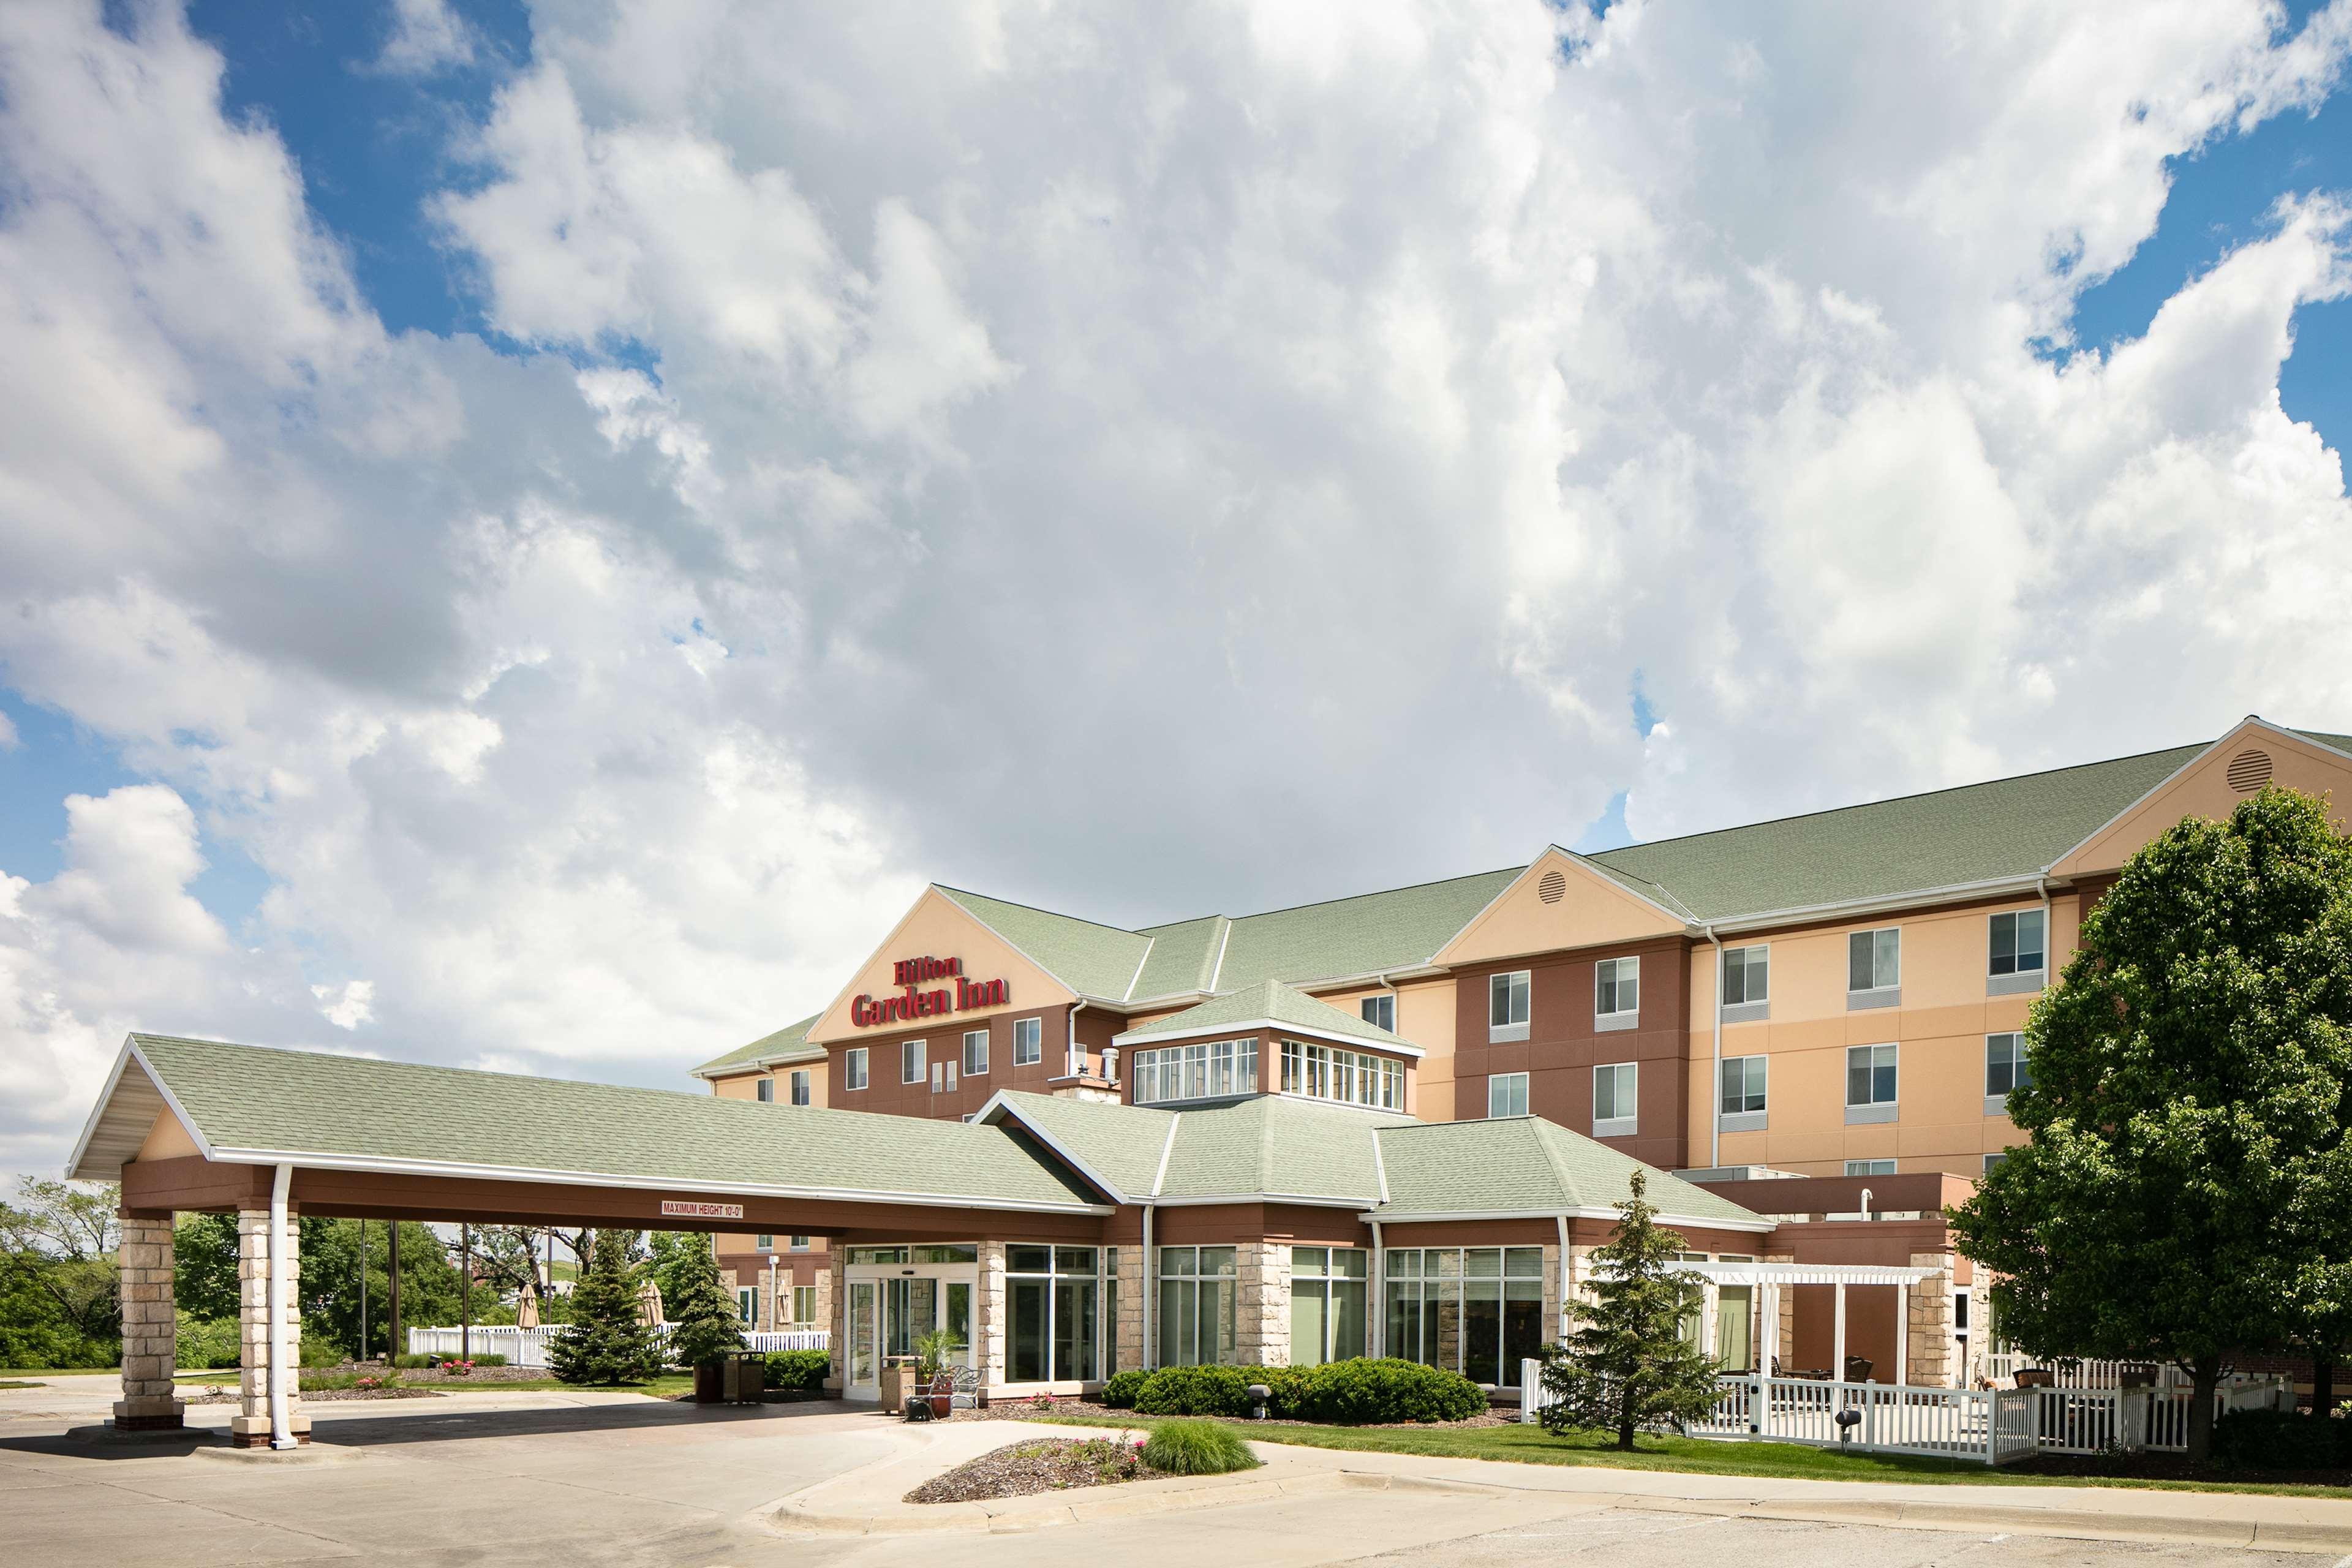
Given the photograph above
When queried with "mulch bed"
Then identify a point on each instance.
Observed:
(1065, 1405)
(1044, 1465)
(315, 1395)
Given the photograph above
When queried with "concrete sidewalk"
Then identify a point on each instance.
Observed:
(869, 1500)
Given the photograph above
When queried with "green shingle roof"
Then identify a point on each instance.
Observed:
(300, 1102)
(1524, 1165)
(1362, 935)
(1092, 960)
(786, 1044)
(1270, 1145)
(1183, 957)
(1269, 999)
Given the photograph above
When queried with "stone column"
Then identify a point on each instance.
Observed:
(1580, 1283)
(1785, 1350)
(1128, 1332)
(1552, 1298)
(835, 1314)
(988, 1326)
(824, 1295)
(150, 1328)
(249, 1427)
(1929, 1306)
(1262, 1296)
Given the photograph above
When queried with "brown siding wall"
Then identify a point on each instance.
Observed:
(943, 1041)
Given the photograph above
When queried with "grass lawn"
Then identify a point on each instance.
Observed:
(48, 1372)
(1533, 1444)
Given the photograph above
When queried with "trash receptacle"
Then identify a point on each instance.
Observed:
(745, 1378)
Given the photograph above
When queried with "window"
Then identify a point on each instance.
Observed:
(1380, 1011)
(1870, 1167)
(1201, 1069)
(800, 1086)
(766, 1090)
(1052, 1296)
(747, 1304)
(1351, 1078)
(765, 1243)
(1476, 1310)
(803, 1303)
(1992, 1160)
(853, 1068)
(943, 1077)
(1327, 1304)
(1747, 979)
(1197, 1298)
(2005, 1069)
(1616, 1098)
(1874, 968)
(911, 1061)
(1743, 1089)
(1506, 1005)
(1506, 1094)
(1870, 1083)
(1028, 1042)
(2017, 942)
(1617, 988)
(975, 1052)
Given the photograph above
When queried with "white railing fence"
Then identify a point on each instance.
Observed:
(1990, 1426)
(527, 1347)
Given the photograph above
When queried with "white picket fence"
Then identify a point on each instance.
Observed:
(1993, 1426)
(527, 1347)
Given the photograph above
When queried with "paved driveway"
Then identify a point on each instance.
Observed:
(616, 1478)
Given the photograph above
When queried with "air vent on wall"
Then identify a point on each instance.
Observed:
(2249, 771)
(1551, 887)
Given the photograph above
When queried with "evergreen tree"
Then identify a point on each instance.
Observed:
(702, 1320)
(2185, 1192)
(1629, 1364)
(605, 1341)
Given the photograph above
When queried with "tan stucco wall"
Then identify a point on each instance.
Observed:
(1941, 1026)
(1424, 1016)
(167, 1140)
(1592, 911)
(2203, 789)
(939, 927)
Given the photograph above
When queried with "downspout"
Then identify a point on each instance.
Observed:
(1070, 1058)
(1865, 1203)
(2049, 935)
(1379, 1310)
(1151, 1280)
(1714, 1087)
(281, 1433)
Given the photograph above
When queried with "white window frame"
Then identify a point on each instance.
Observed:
(747, 1303)
(1755, 1073)
(1517, 990)
(1755, 1002)
(1867, 1167)
(853, 1069)
(1620, 975)
(1621, 1125)
(1995, 1158)
(803, 1295)
(1028, 1041)
(2020, 1066)
(2016, 980)
(1883, 992)
(1873, 1110)
(975, 1062)
(1379, 1001)
(763, 1241)
(914, 1061)
(764, 1091)
(1315, 1071)
(802, 1086)
(1196, 1069)
(1502, 1085)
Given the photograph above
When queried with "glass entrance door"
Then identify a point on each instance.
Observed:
(897, 1295)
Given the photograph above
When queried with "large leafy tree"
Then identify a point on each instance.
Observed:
(2185, 1190)
(60, 1299)
(702, 1320)
(606, 1341)
(1628, 1365)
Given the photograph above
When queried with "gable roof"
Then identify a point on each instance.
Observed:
(789, 1043)
(256, 1104)
(1361, 936)
(1091, 960)
(1269, 1004)
(1525, 1165)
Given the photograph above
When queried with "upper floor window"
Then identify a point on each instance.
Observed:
(2005, 1068)
(1870, 1167)
(1743, 1086)
(1353, 1077)
(943, 1076)
(800, 1244)
(975, 1052)
(1201, 1069)
(1874, 964)
(1380, 1011)
(1506, 1094)
(1506, 1005)
(1616, 993)
(2018, 943)
(801, 1087)
(766, 1090)
(1616, 1098)
(1870, 1083)
(1028, 1042)
(765, 1243)
(1747, 975)
(911, 1061)
(853, 1068)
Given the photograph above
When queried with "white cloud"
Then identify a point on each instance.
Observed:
(1140, 460)
(427, 35)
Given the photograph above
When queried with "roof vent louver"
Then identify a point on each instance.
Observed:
(2249, 771)
(1551, 887)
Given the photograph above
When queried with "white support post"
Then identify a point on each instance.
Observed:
(1837, 1350)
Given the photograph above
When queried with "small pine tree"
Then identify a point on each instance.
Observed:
(1628, 1363)
(702, 1325)
(606, 1341)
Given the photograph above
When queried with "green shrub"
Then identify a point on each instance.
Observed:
(204, 1343)
(799, 1369)
(1119, 1389)
(1197, 1449)
(1196, 1391)
(1365, 1392)
(2281, 1440)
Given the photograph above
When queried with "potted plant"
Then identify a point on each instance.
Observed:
(933, 1354)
